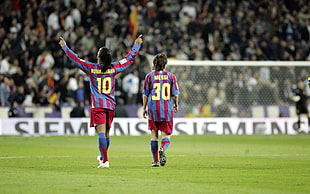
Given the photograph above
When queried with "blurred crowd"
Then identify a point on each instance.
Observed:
(34, 71)
(242, 87)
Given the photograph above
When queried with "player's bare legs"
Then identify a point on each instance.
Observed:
(103, 146)
(154, 135)
(154, 147)
(165, 142)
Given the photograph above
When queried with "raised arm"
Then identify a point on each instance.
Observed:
(129, 58)
(80, 63)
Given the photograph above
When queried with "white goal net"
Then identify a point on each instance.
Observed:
(238, 88)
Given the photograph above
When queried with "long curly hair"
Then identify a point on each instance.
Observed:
(104, 58)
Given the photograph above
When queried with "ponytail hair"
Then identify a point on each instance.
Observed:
(160, 61)
(104, 58)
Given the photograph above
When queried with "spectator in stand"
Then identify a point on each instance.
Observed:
(69, 21)
(13, 112)
(29, 99)
(19, 96)
(223, 110)
(88, 41)
(78, 111)
(80, 92)
(212, 92)
(5, 91)
(4, 64)
(266, 94)
(53, 24)
(131, 87)
(45, 60)
(244, 97)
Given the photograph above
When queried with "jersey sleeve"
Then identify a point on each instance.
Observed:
(128, 59)
(175, 87)
(80, 63)
(146, 89)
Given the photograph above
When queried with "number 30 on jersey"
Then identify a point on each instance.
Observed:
(161, 91)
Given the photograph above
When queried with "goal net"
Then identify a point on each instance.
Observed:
(238, 88)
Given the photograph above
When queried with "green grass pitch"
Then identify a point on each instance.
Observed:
(195, 164)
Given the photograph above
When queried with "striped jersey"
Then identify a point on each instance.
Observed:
(160, 87)
(102, 84)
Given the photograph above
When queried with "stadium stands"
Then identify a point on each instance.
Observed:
(34, 72)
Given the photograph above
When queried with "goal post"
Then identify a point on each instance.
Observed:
(238, 88)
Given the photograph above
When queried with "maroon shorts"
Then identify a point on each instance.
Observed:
(100, 116)
(164, 126)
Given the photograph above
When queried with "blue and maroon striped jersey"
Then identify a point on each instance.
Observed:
(102, 84)
(160, 87)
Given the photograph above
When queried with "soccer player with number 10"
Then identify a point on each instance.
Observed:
(160, 101)
(102, 78)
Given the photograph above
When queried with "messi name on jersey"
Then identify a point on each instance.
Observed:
(160, 77)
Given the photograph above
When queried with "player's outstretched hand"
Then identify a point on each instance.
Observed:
(139, 39)
(62, 41)
(144, 114)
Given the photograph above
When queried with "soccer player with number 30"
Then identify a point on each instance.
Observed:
(102, 78)
(160, 101)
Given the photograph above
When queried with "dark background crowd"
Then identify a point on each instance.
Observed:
(35, 72)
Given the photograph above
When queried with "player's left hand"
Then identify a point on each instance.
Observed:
(175, 108)
(62, 42)
(139, 39)
(144, 114)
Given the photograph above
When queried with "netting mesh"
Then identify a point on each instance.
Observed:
(225, 91)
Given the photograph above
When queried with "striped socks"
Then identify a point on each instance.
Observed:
(103, 146)
(154, 150)
(165, 142)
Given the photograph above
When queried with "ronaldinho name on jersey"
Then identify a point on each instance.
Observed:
(98, 71)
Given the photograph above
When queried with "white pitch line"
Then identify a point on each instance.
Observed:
(16, 157)
(252, 155)
(125, 156)
(144, 156)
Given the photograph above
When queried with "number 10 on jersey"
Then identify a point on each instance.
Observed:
(104, 85)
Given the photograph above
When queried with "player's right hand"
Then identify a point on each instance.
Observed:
(139, 39)
(62, 41)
